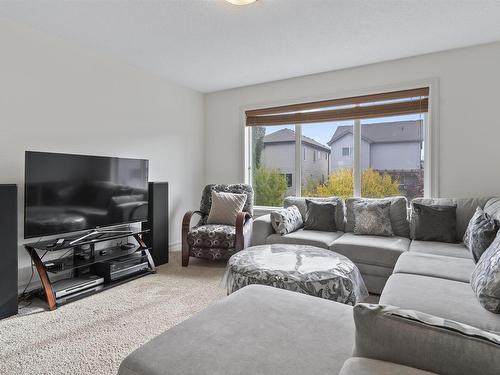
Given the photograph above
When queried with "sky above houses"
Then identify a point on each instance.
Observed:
(322, 132)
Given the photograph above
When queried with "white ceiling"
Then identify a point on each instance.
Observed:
(210, 45)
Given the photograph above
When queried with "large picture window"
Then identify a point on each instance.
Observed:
(369, 146)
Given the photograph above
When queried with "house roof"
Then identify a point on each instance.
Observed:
(399, 131)
(288, 135)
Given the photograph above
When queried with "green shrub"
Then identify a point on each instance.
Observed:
(270, 187)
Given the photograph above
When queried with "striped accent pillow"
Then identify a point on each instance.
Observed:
(225, 208)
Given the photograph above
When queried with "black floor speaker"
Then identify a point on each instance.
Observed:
(8, 250)
(157, 222)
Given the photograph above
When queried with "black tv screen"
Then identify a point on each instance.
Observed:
(68, 193)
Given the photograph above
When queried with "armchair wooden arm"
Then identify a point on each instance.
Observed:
(244, 222)
(186, 226)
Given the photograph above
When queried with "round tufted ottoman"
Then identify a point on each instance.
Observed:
(299, 268)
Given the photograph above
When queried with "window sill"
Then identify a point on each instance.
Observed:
(264, 210)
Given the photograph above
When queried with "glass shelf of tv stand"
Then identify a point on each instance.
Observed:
(73, 262)
(101, 237)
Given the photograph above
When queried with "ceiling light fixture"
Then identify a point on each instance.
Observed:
(241, 2)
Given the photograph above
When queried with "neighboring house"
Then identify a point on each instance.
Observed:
(394, 148)
(384, 146)
(279, 151)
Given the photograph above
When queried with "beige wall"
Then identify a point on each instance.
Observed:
(469, 124)
(55, 97)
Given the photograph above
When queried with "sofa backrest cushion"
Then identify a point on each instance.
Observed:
(466, 207)
(398, 213)
(300, 202)
(424, 341)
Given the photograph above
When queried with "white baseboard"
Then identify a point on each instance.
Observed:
(175, 246)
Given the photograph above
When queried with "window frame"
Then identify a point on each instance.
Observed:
(431, 135)
(289, 181)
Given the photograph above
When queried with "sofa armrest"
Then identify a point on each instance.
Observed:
(262, 228)
(424, 341)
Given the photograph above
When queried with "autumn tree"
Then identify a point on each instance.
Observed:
(377, 185)
(341, 184)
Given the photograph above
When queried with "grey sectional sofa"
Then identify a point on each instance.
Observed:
(262, 330)
(432, 277)
(376, 256)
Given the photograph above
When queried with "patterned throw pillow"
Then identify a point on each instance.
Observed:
(480, 233)
(372, 217)
(485, 279)
(225, 208)
(286, 220)
(433, 223)
(399, 214)
(320, 216)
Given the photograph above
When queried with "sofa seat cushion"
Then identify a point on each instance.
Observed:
(375, 250)
(367, 366)
(256, 330)
(374, 277)
(212, 235)
(444, 298)
(370, 269)
(457, 250)
(451, 268)
(306, 237)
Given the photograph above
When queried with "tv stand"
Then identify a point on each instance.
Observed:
(99, 231)
(74, 264)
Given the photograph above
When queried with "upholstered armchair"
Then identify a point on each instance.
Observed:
(216, 241)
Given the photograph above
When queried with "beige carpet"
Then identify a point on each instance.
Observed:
(93, 335)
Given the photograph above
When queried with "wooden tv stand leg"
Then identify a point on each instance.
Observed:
(42, 272)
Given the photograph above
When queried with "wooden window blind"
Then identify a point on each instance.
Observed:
(393, 103)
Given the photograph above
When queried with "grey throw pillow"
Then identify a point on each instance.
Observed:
(300, 202)
(372, 217)
(485, 279)
(434, 223)
(480, 233)
(286, 220)
(320, 216)
(392, 334)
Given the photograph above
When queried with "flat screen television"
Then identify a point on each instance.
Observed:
(67, 193)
